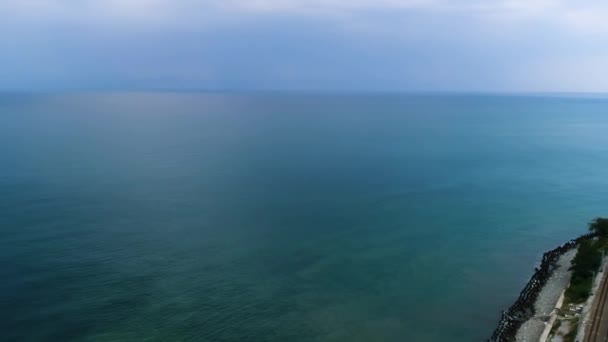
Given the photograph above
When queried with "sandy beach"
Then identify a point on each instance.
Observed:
(532, 329)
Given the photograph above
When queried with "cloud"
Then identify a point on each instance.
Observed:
(587, 73)
(413, 44)
(584, 16)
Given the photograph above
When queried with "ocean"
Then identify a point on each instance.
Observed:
(286, 216)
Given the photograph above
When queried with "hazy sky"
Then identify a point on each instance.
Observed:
(382, 45)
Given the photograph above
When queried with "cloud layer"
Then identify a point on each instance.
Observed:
(511, 45)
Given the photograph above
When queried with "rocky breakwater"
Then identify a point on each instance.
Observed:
(523, 309)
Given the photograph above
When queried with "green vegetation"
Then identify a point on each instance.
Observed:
(555, 327)
(571, 335)
(599, 226)
(587, 262)
(568, 331)
(584, 266)
(579, 290)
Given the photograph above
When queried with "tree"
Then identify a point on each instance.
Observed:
(587, 260)
(599, 226)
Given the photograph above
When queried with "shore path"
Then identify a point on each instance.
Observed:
(598, 324)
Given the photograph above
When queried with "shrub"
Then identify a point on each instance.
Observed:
(599, 226)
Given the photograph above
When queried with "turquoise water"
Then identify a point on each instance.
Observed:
(283, 217)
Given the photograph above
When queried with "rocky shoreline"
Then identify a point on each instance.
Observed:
(548, 299)
(524, 307)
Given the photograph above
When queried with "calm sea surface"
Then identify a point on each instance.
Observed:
(281, 217)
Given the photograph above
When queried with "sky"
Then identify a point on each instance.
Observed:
(331, 45)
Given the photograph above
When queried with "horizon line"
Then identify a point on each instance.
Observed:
(296, 90)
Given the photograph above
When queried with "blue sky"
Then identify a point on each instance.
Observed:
(358, 45)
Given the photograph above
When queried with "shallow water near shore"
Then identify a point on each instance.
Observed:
(283, 217)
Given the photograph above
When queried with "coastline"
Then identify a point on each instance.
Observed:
(525, 307)
(548, 300)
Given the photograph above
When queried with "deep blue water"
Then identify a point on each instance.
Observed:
(283, 217)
